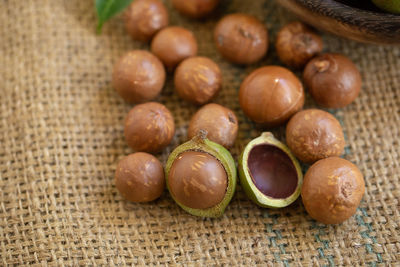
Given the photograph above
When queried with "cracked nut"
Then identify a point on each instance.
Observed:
(269, 173)
(201, 176)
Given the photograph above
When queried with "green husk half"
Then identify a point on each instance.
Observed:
(202, 144)
(247, 183)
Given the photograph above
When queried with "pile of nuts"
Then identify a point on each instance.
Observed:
(201, 174)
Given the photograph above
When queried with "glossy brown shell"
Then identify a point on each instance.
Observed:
(138, 76)
(143, 18)
(173, 44)
(271, 95)
(314, 134)
(197, 80)
(332, 190)
(220, 123)
(139, 177)
(197, 180)
(149, 127)
(333, 80)
(296, 44)
(241, 38)
(195, 8)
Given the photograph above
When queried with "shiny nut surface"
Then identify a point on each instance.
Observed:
(195, 8)
(314, 134)
(332, 190)
(139, 177)
(173, 44)
(333, 80)
(271, 95)
(197, 80)
(241, 38)
(197, 180)
(143, 18)
(138, 76)
(220, 123)
(149, 127)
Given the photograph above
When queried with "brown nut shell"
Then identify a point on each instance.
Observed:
(271, 95)
(138, 76)
(314, 134)
(296, 44)
(195, 8)
(139, 177)
(333, 80)
(197, 180)
(332, 190)
(173, 44)
(220, 123)
(143, 18)
(197, 80)
(241, 39)
(149, 127)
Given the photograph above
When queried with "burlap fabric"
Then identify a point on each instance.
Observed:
(61, 133)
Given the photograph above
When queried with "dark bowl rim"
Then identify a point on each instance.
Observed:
(326, 10)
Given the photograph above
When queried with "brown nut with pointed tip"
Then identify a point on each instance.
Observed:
(139, 177)
(138, 76)
(314, 134)
(197, 80)
(296, 44)
(333, 80)
(220, 123)
(173, 44)
(149, 127)
(197, 180)
(143, 18)
(195, 8)
(271, 95)
(241, 39)
(332, 190)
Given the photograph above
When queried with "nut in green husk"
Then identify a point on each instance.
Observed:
(269, 173)
(201, 176)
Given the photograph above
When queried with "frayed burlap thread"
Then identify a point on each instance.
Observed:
(61, 135)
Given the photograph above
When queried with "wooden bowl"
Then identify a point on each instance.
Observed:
(354, 19)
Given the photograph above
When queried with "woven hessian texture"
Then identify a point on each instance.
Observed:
(61, 134)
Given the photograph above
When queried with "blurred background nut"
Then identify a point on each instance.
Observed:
(195, 8)
(296, 44)
(143, 18)
(173, 44)
(241, 38)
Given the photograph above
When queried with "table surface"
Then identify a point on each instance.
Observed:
(61, 133)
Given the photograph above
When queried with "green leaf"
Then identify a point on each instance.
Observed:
(106, 9)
